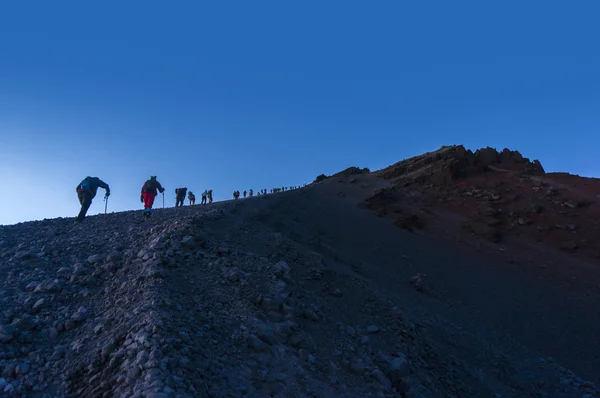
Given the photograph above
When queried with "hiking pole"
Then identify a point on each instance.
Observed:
(105, 206)
(163, 200)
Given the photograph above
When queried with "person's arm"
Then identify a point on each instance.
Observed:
(104, 185)
(160, 187)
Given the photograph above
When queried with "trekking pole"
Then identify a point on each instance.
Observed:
(163, 200)
(105, 207)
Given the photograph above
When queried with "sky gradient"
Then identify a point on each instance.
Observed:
(239, 94)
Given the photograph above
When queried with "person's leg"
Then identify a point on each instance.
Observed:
(86, 202)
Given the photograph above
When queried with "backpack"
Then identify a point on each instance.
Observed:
(86, 185)
(149, 186)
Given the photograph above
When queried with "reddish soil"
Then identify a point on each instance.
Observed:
(501, 202)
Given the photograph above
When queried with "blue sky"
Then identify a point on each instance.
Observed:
(240, 94)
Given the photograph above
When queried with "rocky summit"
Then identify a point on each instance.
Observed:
(361, 284)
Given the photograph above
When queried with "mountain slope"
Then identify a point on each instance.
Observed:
(302, 293)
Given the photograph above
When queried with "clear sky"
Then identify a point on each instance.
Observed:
(256, 94)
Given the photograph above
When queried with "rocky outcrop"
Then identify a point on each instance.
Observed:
(448, 164)
(351, 171)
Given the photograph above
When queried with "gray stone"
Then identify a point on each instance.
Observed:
(308, 314)
(39, 304)
(255, 343)
(417, 282)
(96, 258)
(398, 369)
(9, 389)
(81, 314)
(50, 286)
(24, 255)
(3, 384)
(282, 269)
(23, 368)
(31, 286)
(372, 329)
(115, 257)
(232, 274)
(337, 293)
(569, 246)
(26, 323)
(81, 270)
(7, 333)
(188, 242)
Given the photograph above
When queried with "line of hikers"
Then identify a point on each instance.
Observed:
(250, 193)
(180, 197)
(88, 187)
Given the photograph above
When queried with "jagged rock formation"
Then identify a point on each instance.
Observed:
(449, 163)
(350, 171)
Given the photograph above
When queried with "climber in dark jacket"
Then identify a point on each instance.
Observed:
(86, 191)
(149, 193)
(180, 196)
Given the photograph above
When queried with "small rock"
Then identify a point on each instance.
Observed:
(31, 286)
(114, 257)
(337, 293)
(96, 258)
(232, 274)
(80, 270)
(7, 333)
(569, 246)
(571, 204)
(398, 369)
(308, 314)
(26, 323)
(9, 389)
(52, 333)
(523, 221)
(223, 250)
(3, 384)
(38, 305)
(372, 329)
(22, 368)
(188, 242)
(417, 282)
(255, 343)
(281, 270)
(50, 285)
(80, 315)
